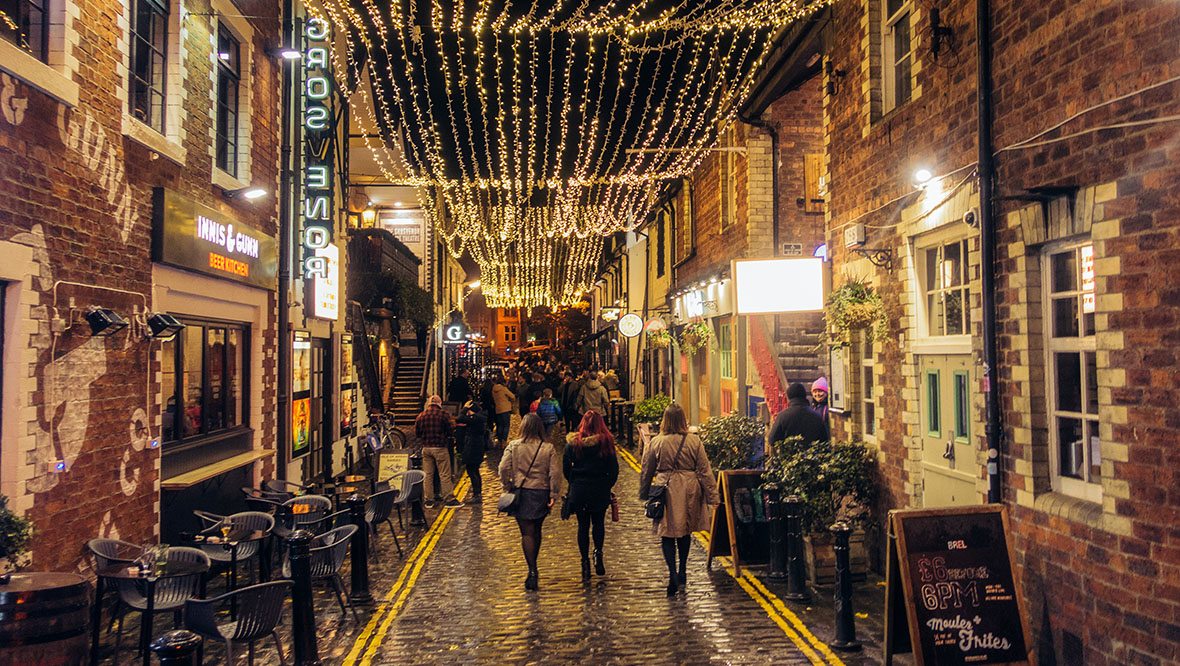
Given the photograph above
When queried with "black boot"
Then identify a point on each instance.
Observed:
(530, 583)
(682, 581)
(599, 568)
(672, 586)
(585, 568)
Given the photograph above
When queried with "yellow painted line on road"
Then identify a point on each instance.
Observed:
(404, 583)
(811, 646)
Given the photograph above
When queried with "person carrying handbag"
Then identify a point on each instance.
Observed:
(591, 467)
(676, 461)
(531, 470)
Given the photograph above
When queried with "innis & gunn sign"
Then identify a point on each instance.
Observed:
(189, 235)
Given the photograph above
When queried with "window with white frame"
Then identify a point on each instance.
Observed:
(725, 342)
(25, 23)
(897, 53)
(229, 79)
(149, 63)
(868, 388)
(727, 188)
(1075, 454)
(945, 289)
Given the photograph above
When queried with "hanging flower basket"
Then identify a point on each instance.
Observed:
(695, 336)
(854, 306)
(659, 339)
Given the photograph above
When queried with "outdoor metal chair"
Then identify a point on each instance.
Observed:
(328, 551)
(104, 553)
(378, 509)
(246, 520)
(409, 480)
(170, 593)
(290, 518)
(260, 607)
(263, 500)
(288, 488)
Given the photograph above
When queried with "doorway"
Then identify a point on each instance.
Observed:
(321, 412)
(950, 468)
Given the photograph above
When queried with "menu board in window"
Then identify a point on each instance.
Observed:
(301, 395)
(952, 595)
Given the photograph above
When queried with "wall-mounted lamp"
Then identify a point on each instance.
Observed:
(922, 177)
(284, 52)
(163, 326)
(248, 193)
(104, 322)
(939, 34)
(835, 76)
(369, 216)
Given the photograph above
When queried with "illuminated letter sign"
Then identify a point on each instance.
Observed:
(320, 266)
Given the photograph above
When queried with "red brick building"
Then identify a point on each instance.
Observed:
(1083, 104)
(121, 123)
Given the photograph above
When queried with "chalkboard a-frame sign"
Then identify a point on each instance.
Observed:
(951, 593)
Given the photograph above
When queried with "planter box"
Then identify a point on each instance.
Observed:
(821, 558)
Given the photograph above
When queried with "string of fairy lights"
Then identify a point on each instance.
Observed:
(532, 131)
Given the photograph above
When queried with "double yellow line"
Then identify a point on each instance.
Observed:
(374, 633)
(816, 651)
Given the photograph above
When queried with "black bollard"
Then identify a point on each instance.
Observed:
(360, 552)
(302, 608)
(796, 585)
(845, 620)
(778, 535)
(176, 648)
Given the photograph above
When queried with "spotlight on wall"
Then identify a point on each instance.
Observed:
(163, 326)
(284, 52)
(922, 176)
(104, 322)
(249, 193)
(821, 252)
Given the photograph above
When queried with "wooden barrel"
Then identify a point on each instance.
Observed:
(43, 620)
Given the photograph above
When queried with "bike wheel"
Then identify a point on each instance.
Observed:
(396, 439)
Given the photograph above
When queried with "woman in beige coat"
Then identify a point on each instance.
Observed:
(676, 458)
(530, 466)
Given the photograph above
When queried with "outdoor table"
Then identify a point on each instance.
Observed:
(132, 572)
(232, 542)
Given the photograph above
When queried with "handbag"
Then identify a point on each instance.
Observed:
(614, 508)
(565, 507)
(657, 495)
(510, 501)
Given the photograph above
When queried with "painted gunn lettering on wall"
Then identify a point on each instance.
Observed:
(197, 238)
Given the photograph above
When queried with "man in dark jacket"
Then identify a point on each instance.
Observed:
(473, 445)
(798, 419)
(459, 388)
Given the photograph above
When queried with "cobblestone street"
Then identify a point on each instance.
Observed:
(468, 603)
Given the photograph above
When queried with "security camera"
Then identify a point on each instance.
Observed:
(971, 218)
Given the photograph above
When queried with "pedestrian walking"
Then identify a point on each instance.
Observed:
(475, 443)
(530, 468)
(433, 429)
(591, 468)
(593, 396)
(549, 411)
(502, 398)
(819, 400)
(797, 419)
(676, 461)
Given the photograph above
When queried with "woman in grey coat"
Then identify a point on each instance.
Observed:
(676, 459)
(531, 467)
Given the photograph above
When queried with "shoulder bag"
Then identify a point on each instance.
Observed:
(510, 500)
(657, 495)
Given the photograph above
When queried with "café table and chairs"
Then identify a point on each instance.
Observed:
(328, 551)
(260, 607)
(108, 552)
(157, 582)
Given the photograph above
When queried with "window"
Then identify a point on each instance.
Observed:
(933, 404)
(868, 398)
(149, 62)
(897, 53)
(962, 395)
(509, 334)
(1075, 453)
(660, 240)
(948, 312)
(684, 232)
(229, 76)
(203, 373)
(25, 23)
(725, 342)
(727, 189)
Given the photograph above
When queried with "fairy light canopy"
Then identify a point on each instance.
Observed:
(533, 130)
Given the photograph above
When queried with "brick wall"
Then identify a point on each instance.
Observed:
(1102, 579)
(78, 192)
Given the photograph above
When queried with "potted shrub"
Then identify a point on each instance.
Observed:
(648, 414)
(835, 482)
(730, 441)
(854, 306)
(16, 532)
(696, 336)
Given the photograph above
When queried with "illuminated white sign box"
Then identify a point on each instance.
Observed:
(779, 285)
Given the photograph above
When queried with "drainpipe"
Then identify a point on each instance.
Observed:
(987, 248)
(284, 323)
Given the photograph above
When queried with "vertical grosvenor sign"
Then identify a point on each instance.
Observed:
(318, 133)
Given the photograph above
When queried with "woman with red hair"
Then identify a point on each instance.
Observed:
(591, 467)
